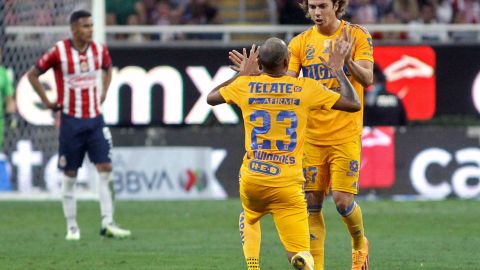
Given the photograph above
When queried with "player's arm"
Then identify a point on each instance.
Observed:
(214, 97)
(33, 78)
(47, 61)
(361, 70)
(106, 74)
(106, 79)
(349, 101)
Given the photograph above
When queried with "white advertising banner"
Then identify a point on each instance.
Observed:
(139, 173)
(165, 173)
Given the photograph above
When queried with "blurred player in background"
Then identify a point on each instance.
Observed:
(80, 65)
(7, 117)
(275, 109)
(333, 145)
(383, 108)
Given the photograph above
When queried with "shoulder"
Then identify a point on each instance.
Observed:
(358, 30)
(308, 84)
(302, 36)
(64, 43)
(239, 82)
(99, 46)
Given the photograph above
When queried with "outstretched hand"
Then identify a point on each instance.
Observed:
(249, 63)
(339, 52)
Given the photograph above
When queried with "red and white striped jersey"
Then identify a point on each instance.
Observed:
(78, 76)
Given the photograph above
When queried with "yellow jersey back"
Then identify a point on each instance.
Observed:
(330, 127)
(275, 112)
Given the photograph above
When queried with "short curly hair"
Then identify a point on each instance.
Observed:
(342, 6)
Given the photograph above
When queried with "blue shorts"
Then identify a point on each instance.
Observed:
(83, 135)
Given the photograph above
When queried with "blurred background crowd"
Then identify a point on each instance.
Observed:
(208, 12)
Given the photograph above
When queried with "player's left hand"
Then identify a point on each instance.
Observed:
(236, 58)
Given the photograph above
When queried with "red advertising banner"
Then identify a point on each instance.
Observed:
(378, 158)
(410, 73)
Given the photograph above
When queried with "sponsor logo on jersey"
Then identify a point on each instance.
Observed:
(310, 52)
(274, 101)
(85, 80)
(263, 168)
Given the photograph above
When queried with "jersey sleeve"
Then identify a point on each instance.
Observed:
(231, 92)
(294, 47)
(363, 44)
(48, 59)
(106, 60)
(321, 97)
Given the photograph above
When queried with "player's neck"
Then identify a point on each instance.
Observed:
(79, 45)
(329, 29)
(274, 73)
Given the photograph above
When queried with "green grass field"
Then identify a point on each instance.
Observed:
(204, 235)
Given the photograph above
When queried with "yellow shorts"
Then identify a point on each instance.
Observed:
(332, 166)
(288, 208)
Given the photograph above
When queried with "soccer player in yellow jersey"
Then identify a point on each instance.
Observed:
(275, 108)
(333, 146)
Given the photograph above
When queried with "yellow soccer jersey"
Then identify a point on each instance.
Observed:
(275, 111)
(330, 127)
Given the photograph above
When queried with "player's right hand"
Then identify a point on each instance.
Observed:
(53, 106)
(249, 65)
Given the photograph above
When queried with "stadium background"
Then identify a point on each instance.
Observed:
(162, 70)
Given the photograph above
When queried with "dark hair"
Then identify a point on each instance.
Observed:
(342, 6)
(76, 15)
